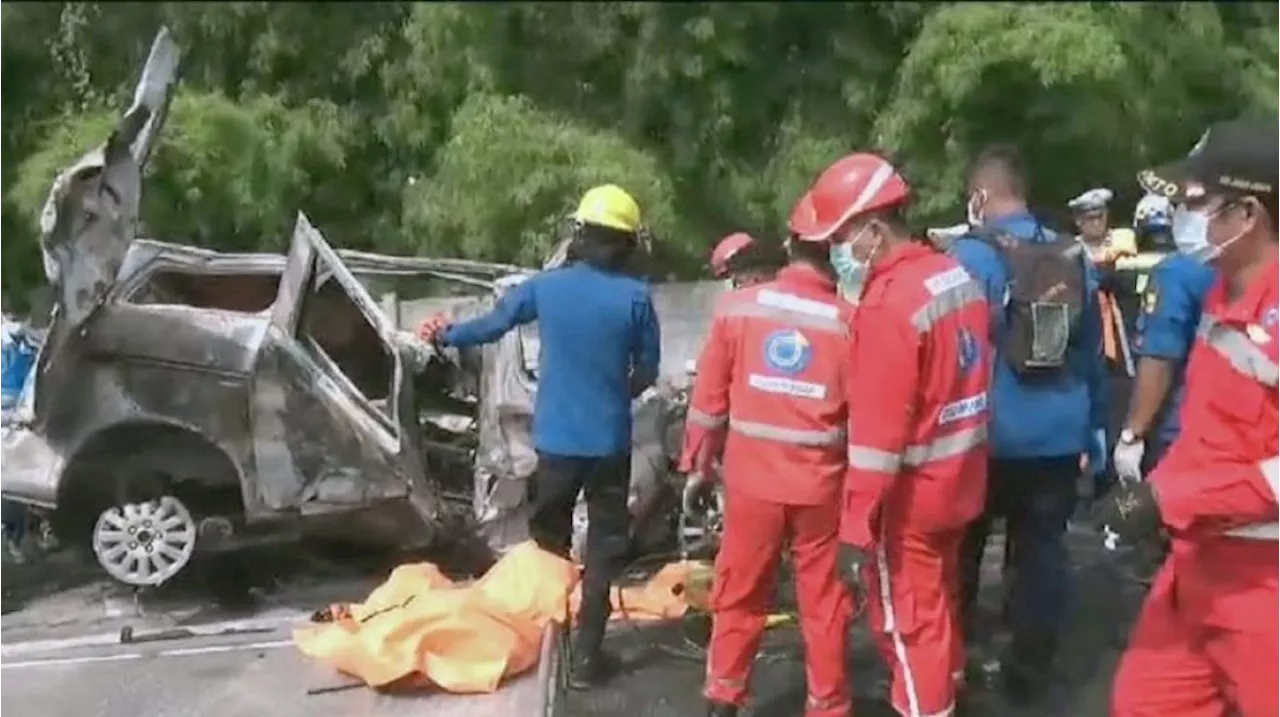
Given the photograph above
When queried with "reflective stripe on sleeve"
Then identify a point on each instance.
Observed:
(1271, 471)
(792, 310)
(1237, 348)
(874, 459)
(796, 436)
(706, 420)
(1257, 531)
(949, 300)
(953, 444)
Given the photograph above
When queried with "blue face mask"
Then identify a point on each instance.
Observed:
(849, 270)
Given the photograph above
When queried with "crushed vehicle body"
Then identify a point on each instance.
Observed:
(187, 399)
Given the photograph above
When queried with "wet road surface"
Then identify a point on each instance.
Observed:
(61, 655)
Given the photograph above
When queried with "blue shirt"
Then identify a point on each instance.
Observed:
(600, 347)
(1167, 325)
(18, 356)
(1045, 419)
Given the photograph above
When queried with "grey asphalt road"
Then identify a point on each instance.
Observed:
(60, 657)
(653, 684)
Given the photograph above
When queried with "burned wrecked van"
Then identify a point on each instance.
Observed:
(209, 398)
(187, 399)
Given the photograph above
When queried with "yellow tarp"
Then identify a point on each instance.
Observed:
(419, 627)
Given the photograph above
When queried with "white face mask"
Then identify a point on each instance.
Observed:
(1191, 235)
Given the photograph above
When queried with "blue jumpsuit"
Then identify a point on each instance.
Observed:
(1166, 330)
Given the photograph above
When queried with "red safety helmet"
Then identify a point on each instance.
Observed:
(803, 218)
(854, 185)
(726, 250)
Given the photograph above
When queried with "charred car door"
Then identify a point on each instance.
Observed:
(334, 424)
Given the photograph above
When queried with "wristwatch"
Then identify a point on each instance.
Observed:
(1127, 436)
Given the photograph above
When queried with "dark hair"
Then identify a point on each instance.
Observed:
(602, 247)
(756, 256)
(895, 218)
(1268, 202)
(815, 253)
(1004, 161)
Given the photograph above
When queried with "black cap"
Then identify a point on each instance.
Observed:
(1236, 157)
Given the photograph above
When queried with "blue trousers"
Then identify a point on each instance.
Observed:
(1036, 497)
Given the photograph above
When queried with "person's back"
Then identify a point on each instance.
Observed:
(1037, 418)
(787, 396)
(587, 321)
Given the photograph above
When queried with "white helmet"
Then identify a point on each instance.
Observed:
(1153, 212)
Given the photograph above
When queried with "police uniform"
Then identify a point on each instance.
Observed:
(1167, 324)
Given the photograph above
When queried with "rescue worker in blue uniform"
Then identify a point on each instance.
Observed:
(600, 350)
(1167, 325)
(1041, 434)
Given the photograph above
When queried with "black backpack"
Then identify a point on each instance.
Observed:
(1044, 301)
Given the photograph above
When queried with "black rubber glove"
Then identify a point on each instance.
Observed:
(850, 562)
(1128, 513)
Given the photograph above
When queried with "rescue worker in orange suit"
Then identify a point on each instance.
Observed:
(1205, 642)
(917, 384)
(769, 400)
(740, 261)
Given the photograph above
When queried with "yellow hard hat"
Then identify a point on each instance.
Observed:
(608, 205)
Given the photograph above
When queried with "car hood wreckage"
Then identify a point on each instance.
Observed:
(188, 400)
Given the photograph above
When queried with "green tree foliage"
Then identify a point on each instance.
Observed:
(471, 128)
(229, 174)
(509, 174)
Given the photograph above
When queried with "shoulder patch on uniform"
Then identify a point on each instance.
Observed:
(945, 280)
(1150, 301)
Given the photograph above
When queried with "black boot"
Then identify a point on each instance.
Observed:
(720, 709)
(590, 669)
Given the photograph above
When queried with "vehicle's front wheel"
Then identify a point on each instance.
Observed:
(145, 543)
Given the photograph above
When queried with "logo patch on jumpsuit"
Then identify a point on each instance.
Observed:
(966, 350)
(789, 352)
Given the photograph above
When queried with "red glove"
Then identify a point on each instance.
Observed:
(431, 327)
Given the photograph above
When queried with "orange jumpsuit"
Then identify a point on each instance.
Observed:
(917, 474)
(1205, 644)
(771, 387)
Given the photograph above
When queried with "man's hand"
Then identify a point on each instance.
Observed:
(1127, 514)
(1128, 460)
(432, 326)
(851, 564)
